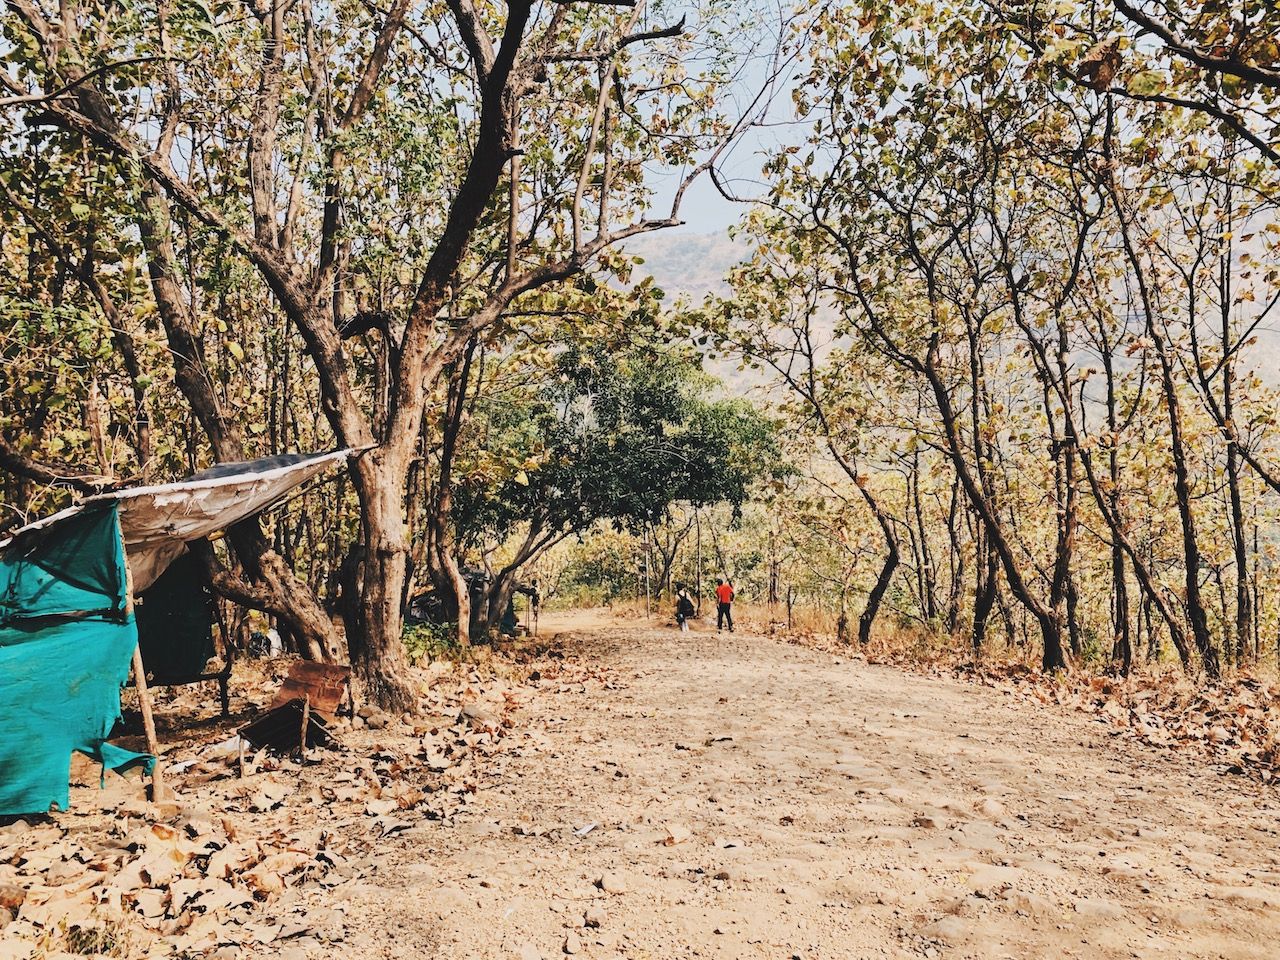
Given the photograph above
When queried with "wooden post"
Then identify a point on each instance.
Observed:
(144, 695)
(306, 720)
(148, 722)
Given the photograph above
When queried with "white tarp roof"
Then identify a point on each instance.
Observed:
(157, 522)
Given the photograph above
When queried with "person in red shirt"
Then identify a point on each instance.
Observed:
(724, 604)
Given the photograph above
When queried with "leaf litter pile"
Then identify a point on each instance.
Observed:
(234, 866)
(1234, 723)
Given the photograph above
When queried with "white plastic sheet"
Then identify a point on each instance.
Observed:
(157, 522)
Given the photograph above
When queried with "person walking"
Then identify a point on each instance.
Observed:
(684, 608)
(724, 604)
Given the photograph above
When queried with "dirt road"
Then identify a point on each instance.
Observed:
(755, 799)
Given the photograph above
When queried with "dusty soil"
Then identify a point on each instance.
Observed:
(741, 797)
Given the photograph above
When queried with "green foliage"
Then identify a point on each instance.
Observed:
(611, 436)
(425, 641)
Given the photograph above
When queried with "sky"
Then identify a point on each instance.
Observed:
(752, 36)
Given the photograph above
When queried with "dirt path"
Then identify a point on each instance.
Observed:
(755, 799)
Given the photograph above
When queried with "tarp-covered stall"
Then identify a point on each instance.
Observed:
(67, 621)
(66, 642)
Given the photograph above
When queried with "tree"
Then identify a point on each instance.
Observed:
(369, 134)
(986, 202)
(605, 435)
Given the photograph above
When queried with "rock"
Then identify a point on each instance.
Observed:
(1029, 903)
(479, 715)
(366, 711)
(949, 928)
(925, 823)
(7, 917)
(594, 917)
(12, 896)
(572, 943)
(612, 883)
(1099, 909)
(991, 808)
(377, 722)
(530, 951)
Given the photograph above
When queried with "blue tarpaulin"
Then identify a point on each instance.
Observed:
(67, 636)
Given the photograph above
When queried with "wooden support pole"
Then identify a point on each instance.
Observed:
(306, 720)
(144, 696)
(148, 724)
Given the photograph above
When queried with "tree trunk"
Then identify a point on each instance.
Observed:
(377, 656)
(1244, 600)
(928, 574)
(868, 618)
(1053, 657)
(955, 562)
(1182, 493)
(282, 594)
(1181, 482)
(987, 573)
(1123, 647)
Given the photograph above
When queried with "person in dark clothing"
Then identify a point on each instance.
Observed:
(684, 608)
(724, 604)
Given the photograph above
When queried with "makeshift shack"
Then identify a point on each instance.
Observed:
(69, 631)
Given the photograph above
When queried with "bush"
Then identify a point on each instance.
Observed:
(426, 641)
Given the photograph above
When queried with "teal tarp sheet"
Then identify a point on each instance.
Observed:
(66, 645)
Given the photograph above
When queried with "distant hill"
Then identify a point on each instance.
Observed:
(688, 264)
(692, 265)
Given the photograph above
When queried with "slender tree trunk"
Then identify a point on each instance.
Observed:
(1239, 543)
(1052, 657)
(955, 562)
(928, 573)
(1177, 450)
(987, 574)
(445, 572)
(1182, 493)
(1122, 649)
(876, 596)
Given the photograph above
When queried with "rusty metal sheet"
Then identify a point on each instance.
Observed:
(323, 684)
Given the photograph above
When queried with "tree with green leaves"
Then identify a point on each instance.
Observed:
(389, 183)
(604, 436)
